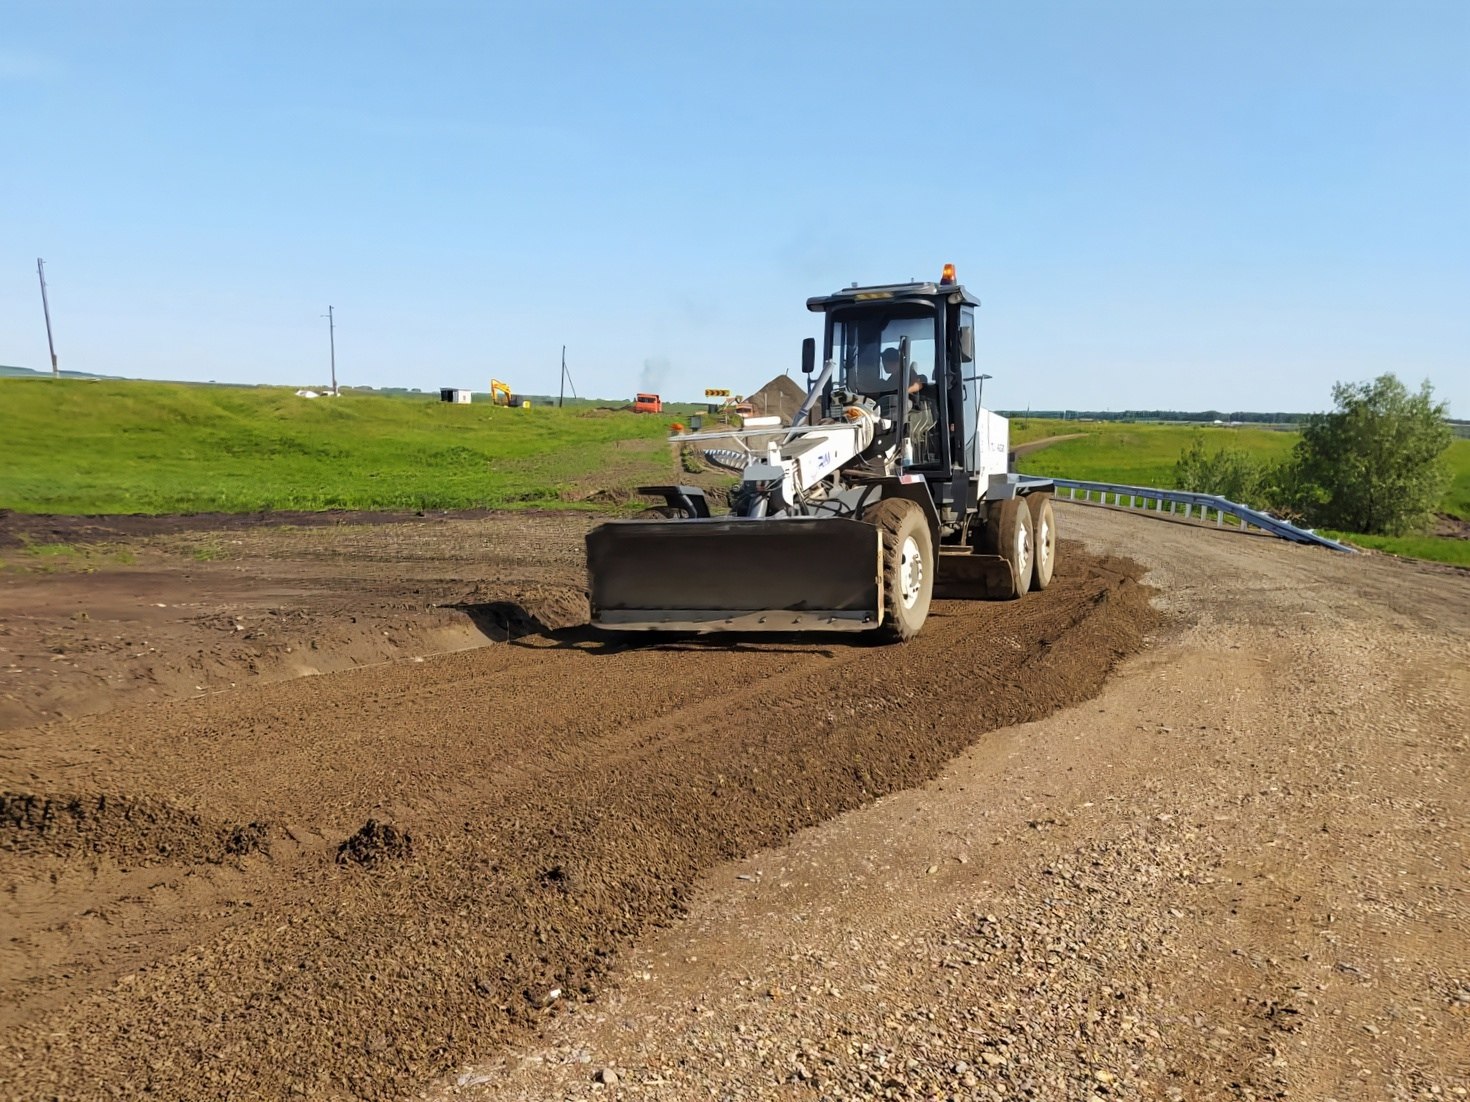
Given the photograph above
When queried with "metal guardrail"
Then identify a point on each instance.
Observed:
(1244, 515)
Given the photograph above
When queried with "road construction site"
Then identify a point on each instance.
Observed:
(362, 809)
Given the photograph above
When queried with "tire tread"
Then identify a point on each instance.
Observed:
(889, 516)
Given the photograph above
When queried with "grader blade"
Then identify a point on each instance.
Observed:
(965, 575)
(786, 574)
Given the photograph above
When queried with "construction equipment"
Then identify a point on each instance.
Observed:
(500, 393)
(890, 488)
(647, 403)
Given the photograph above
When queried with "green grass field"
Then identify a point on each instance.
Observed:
(75, 446)
(1437, 548)
(115, 446)
(1457, 500)
(1145, 454)
(1134, 454)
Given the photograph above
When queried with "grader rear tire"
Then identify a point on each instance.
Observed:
(1014, 544)
(908, 567)
(1043, 539)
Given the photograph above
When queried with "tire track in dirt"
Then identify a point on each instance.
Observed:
(561, 795)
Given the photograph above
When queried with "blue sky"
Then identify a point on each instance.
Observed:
(1167, 204)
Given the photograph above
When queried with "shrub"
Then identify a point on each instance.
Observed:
(1229, 472)
(1375, 464)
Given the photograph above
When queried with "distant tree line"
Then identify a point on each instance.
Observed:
(1207, 415)
(1375, 464)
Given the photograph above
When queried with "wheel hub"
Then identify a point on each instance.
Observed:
(1023, 548)
(910, 573)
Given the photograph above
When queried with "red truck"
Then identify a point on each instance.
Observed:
(647, 403)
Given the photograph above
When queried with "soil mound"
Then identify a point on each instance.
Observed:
(781, 397)
(510, 614)
(136, 830)
(374, 844)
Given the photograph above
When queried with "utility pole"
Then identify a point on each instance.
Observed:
(332, 336)
(46, 309)
(566, 380)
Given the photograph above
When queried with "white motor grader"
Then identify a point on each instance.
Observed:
(890, 487)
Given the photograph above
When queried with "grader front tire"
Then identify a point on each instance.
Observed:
(908, 567)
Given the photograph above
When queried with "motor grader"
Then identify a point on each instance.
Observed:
(890, 487)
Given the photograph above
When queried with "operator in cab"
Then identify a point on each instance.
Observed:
(917, 382)
(922, 414)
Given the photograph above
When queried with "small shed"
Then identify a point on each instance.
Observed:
(455, 395)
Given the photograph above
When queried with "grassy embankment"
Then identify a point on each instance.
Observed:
(74, 446)
(1144, 455)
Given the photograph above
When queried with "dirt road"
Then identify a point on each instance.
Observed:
(1211, 879)
(337, 885)
(1021, 450)
(1242, 871)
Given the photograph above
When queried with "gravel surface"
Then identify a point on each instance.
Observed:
(1240, 872)
(338, 886)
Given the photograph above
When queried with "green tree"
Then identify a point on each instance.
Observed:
(1374, 464)
(1229, 472)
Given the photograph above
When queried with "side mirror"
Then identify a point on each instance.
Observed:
(967, 344)
(808, 355)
